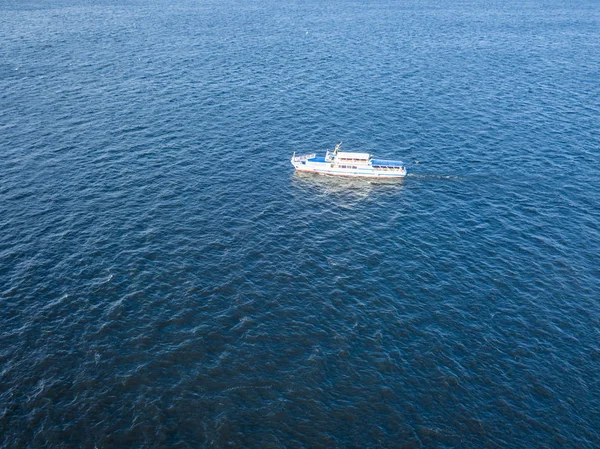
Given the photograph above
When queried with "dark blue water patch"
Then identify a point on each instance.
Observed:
(167, 280)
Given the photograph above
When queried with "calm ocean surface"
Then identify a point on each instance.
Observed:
(166, 280)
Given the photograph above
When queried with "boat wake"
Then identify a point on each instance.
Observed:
(432, 176)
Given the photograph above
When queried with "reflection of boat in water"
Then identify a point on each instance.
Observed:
(343, 163)
(345, 192)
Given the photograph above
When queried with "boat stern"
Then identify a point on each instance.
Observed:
(299, 161)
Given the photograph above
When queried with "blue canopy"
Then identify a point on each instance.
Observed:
(382, 163)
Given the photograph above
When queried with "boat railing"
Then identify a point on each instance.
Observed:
(304, 157)
(388, 167)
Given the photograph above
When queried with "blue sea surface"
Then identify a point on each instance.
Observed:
(167, 280)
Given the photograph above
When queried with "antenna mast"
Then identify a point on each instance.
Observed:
(337, 148)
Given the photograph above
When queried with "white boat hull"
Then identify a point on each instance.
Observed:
(354, 173)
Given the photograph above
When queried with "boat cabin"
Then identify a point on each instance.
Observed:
(357, 158)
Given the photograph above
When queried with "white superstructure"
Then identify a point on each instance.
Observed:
(343, 163)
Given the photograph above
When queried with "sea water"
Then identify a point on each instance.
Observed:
(167, 280)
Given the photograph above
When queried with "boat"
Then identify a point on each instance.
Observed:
(343, 163)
